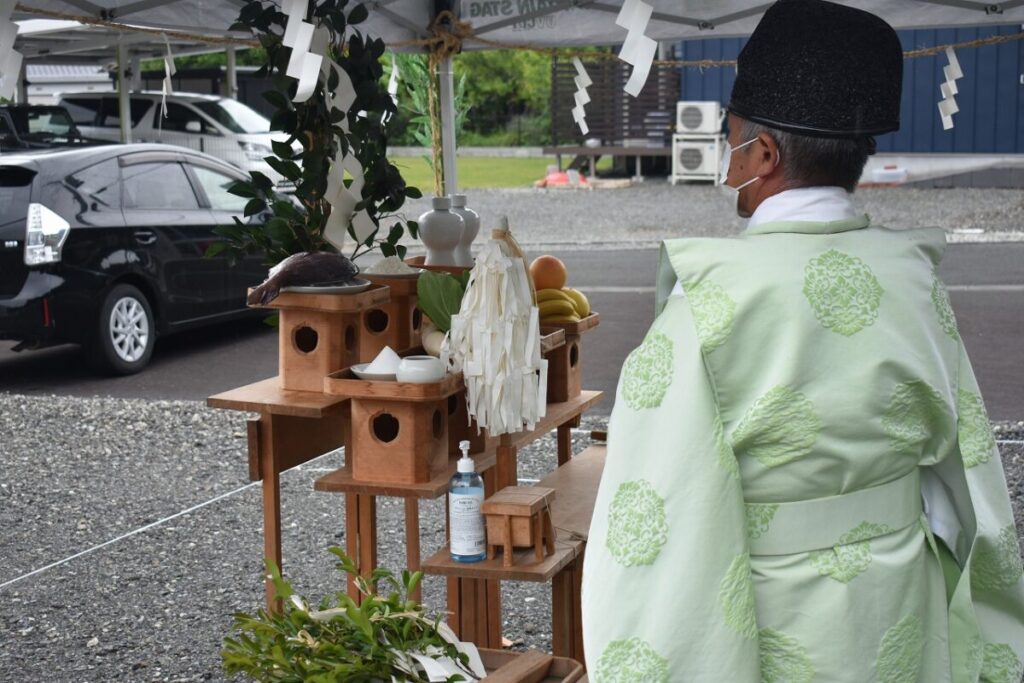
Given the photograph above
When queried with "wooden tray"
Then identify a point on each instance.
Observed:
(345, 383)
(333, 303)
(517, 667)
(551, 340)
(584, 325)
(417, 262)
(400, 286)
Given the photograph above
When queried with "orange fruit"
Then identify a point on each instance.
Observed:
(548, 272)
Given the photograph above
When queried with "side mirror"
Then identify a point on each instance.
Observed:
(193, 126)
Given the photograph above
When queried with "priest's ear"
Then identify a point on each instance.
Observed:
(764, 155)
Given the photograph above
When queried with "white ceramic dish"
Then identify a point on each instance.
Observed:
(360, 372)
(358, 285)
(398, 276)
(420, 370)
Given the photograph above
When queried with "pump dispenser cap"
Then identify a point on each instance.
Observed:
(466, 464)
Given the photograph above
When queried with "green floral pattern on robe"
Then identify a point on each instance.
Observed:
(843, 292)
(783, 658)
(759, 518)
(901, 650)
(976, 440)
(780, 427)
(1001, 665)
(630, 661)
(637, 528)
(940, 299)
(736, 595)
(723, 452)
(713, 313)
(913, 411)
(997, 564)
(851, 557)
(647, 372)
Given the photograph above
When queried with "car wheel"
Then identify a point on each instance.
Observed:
(126, 332)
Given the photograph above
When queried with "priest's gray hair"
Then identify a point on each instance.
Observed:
(813, 162)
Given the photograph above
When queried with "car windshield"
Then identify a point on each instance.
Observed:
(235, 116)
(42, 122)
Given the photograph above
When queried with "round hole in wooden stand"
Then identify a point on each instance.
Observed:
(438, 423)
(453, 404)
(417, 318)
(350, 337)
(574, 355)
(305, 339)
(376, 320)
(385, 427)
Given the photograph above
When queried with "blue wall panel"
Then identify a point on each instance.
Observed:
(991, 97)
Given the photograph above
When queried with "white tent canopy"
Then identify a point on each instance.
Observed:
(544, 23)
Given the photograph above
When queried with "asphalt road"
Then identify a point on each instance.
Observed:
(986, 283)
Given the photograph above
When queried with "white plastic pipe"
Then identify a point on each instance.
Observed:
(124, 110)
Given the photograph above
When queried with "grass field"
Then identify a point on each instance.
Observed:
(478, 172)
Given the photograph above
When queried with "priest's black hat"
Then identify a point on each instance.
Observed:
(820, 69)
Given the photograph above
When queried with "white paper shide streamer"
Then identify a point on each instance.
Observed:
(169, 71)
(306, 64)
(495, 342)
(10, 60)
(582, 81)
(637, 49)
(948, 105)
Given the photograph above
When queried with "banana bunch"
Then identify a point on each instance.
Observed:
(566, 305)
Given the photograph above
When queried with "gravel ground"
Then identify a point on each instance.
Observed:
(154, 606)
(654, 210)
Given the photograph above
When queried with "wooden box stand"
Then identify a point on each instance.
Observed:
(461, 429)
(519, 517)
(565, 364)
(399, 430)
(396, 323)
(320, 333)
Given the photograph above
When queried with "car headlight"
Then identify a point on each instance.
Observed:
(45, 233)
(254, 151)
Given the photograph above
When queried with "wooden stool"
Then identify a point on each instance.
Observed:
(519, 517)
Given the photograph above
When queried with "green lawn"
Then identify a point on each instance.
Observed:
(477, 172)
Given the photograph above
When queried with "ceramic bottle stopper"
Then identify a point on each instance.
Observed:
(464, 252)
(440, 232)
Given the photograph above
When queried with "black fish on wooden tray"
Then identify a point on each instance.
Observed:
(306, 269)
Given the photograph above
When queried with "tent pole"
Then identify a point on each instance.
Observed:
(232, 74)
(447, 83)
(124, 111)
(21, 89)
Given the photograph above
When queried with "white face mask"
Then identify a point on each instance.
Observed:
(734, 192)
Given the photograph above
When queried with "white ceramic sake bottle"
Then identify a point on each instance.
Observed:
(440, 232)
(464, 252)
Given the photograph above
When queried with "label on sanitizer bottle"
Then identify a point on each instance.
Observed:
(467, 523)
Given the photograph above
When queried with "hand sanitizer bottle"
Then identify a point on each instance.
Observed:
(465, 520)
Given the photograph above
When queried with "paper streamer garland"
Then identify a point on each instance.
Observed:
(948, 105)
(10, 61)
(638, 49)
(582, 81)
(306, 64)
(169, 71)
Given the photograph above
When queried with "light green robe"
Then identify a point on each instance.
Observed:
(760, 517)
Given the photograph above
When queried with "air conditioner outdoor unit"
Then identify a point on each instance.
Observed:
(696, 159)
(701, 118)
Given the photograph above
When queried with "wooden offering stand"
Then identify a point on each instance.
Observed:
(419, 262)
(565, 369)
(518, 517)
(321, 333)
(531, 666)
(396, 323)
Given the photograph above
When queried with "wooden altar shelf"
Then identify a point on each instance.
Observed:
(345, 384)
(267, 396)
(558, 414)
(524, 568)
(565, 366)
(331, 303)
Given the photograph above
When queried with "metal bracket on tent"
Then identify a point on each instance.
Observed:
(986, 7)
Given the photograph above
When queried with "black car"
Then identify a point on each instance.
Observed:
(104, 247)
(34, 126)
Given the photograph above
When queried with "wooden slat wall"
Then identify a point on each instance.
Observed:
(612, 115)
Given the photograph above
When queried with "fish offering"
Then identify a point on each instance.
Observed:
(306, 269)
